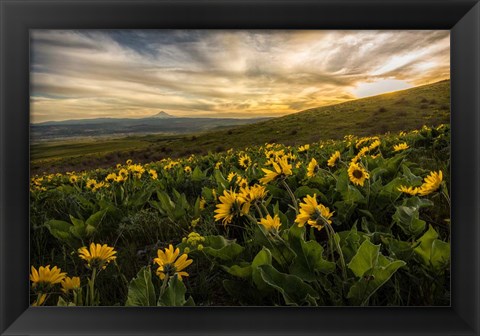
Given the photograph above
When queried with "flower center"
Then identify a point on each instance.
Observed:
(357, 174)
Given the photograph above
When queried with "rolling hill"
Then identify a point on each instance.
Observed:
(392, 112)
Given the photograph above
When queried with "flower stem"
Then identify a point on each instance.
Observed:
(339, 249)
(292, 196)
(92, 286)
(164, 285)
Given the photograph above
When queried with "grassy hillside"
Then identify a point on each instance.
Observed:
(396, 111)
(401, 110)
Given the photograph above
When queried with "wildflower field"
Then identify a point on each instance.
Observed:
(363, 221)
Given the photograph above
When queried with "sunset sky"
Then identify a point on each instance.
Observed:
(223, 73)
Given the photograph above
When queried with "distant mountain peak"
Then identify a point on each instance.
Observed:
(162, 115)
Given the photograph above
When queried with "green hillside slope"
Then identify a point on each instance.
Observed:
(396, 111)
(392, 112)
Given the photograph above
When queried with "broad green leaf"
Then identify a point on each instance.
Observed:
(365, 259)
(264, 257)
(407, 218)
(140, 289)
(342, 182)
(77, 222)
(59, 229)
(399, 249)
(393, 164)
(303, 191)
(174, 295)
(417, 202)
(239, 271)
(353, 196)
(309, 261)
(433, 252)
(279, 250)
(366, 286)
(220, 179)
(221, 248)
(292, 288)
(197, 174)
(412, 179)
(424, 250)
(62, 303)
(350, 242)
(94, 220)
(389, 193)
(343, 211)
(440, 255)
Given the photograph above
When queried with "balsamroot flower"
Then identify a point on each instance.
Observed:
(312, 168)
(70, 284)
(98, 256)
(333, 159)
(46, 277)
(400, 147)
(313, 213)
(230, 206)
(271, 223)
(357, 174)
(281, 168)
(431, 183)
(170, 262)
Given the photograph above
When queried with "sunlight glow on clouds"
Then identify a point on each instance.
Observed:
(379, 87)
(136, 73)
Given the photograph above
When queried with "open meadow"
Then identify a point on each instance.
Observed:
(362, 220)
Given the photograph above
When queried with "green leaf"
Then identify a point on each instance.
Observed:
(95, 219)
(342, 182)
(140, 289)
(350, 242)
(264, 257)
(59, 229)
(280, 251)
(412, 179)
(197, 174)
(62, 303)
(407, 218)
(343, 211)
(373, 269)
(353, 196)
(239, 271)
(303, 191)
(424, 250)
(220, 179)
(78, 228)
(76, 221)
(393, 164)
(364, 288)
(433, 252)
(221, 248)
(309, 262)
(389, 193)
(440, 255)
(365, 259)
(174, 295)
(292, 288)
(399, 249)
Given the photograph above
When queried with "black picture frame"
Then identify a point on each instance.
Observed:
(17, 17)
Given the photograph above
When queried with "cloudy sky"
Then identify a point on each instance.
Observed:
(133, 74)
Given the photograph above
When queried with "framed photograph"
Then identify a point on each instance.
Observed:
(229, 167)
